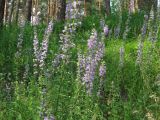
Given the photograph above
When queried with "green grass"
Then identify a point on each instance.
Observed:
(130, 93)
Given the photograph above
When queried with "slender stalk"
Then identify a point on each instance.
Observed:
(11, 12)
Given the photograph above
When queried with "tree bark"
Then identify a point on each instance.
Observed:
(11, 12)
(2, 7)
(28, 10)
(108, 7)
(131, 6)
(17, 10)
(87, 6)
(147, 5)
(6, 11)
(61, 10)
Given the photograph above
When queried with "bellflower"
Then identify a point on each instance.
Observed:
(121, 57)
(102, 70)
(92, 59)
(106, 30)
(44, 45)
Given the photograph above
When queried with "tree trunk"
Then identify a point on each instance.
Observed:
(6, 11)
(108, 7)
(124, 5)
(147, 5)
(61, 9)
(11, 12)
(131, 6)
(87, 7)
(2, 7)
(17, 10)
(28, 10)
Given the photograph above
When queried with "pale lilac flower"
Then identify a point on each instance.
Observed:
(100, 51)
(20, 40)
(25, 75)
(122, 50)
(131, 6)
(139, 52)
(36, 51)
(140, 45)
(35, 20)
(94, 56)
(66, 43)
(92, 41)
(127, 28)
(117, 31)
(57, 60)
(102, 23)
(44, 45)
(106, 30)
(80, 65)
(73, 10)
(102, 70)
(102, 73)
(146, 17)
(89, 75)
(36, 45)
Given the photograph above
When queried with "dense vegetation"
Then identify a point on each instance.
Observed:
(92, 68)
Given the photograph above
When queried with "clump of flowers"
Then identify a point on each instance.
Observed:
(66, 42)
(121, 59)
(35, 19)
(127, 28)
(73, 10)
(44, 45)
(88, 63)
(106, 30)
(102, 73)
(20, 40)
(117, 31)
(140, 46)
(40, 53)
(102, 70)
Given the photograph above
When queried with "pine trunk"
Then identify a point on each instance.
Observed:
(11, 12)
(61, 10)
(2, 7)
(108, 7)
(17, 10)
(28, 10)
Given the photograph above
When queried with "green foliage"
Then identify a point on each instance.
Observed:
(131, 93)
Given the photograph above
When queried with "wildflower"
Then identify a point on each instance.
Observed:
(102, 73)
(102, 23)
(91, 43)
(94, 56)
(102, 70)
(100, 51)
(26, 71)
(131, 6)
(127, 28)
(146, 17)
(106, 30)
(20, 39)
(140, 46)
(117, 31)
(44, 45)
(73, 10)
(121, 57)
(139, 52)
(89, 75)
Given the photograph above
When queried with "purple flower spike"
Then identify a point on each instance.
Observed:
(106, 30)
(102, 70)
(91, 43)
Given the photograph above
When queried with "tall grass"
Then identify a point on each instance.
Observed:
(130, 92)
